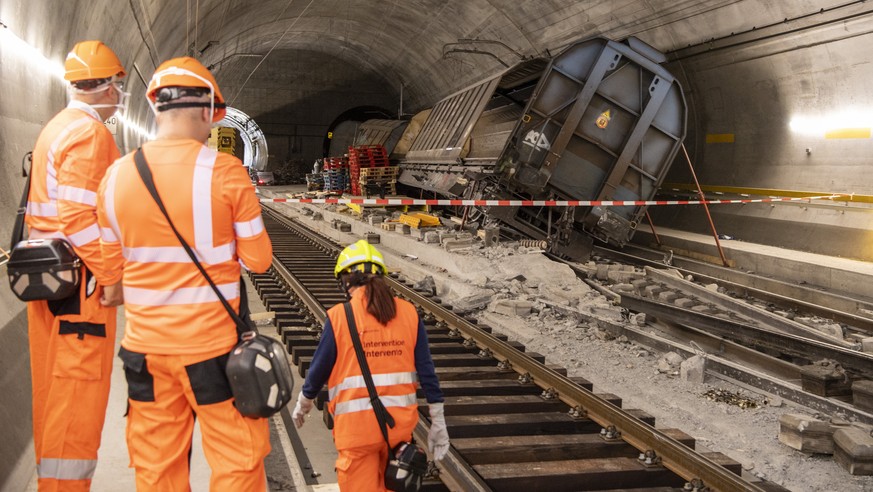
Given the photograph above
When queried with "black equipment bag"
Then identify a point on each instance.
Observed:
(257, 368)
(260, 377)
(407, 463)
(40, 269)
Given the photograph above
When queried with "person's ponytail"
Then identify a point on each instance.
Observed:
(380, 300)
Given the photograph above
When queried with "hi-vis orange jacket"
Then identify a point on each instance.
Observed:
(62, 202)
(170, 307)
(390, 351)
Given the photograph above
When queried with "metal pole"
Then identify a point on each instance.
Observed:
(705, 207)
(652, 225)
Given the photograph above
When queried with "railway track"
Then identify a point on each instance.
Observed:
(516, 422)
(738, 329)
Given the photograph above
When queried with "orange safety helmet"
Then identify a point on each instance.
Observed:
(90, 60)
(186, 72)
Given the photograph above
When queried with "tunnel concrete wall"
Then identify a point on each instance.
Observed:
(31, 93)
(785, 108)
(20, 122)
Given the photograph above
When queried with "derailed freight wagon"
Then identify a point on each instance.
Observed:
(602, 120)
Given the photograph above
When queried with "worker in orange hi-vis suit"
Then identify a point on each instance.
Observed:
(178, 334)
(72, 340)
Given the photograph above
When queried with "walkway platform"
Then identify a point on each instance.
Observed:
(840, 275)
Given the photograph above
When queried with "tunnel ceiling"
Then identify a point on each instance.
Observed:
(389, 42)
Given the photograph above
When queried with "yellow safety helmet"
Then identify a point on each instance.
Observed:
(176, 76)
(360, 257)
(90, 60)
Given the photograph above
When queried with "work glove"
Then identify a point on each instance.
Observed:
(301, 410)
(438, 437)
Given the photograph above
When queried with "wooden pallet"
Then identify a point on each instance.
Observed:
(379, 172)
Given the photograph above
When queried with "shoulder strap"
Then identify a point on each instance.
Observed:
(18, 228)
(146, 174)
(385, 419)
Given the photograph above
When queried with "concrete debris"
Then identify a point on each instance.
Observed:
(602, 272)
(712, 287)
(604, 335)
(624, 277)
(820, 324)
(623, 288)
(693, 369)
(490, 236)
(638, 319)
(652, 291)
(375, 220)
(556, 294)
(605, 312)
(668, 296)
(426, 285)
(510, 307)
(317, 216)
(664, 366)
(673, 359)
(684, 302)
(774, 401)
(867, 345)
(457, 244)
(431, 237)
(474, 302)
(509, 277)
(640, 284)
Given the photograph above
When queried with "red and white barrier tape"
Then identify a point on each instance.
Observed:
(534, 203)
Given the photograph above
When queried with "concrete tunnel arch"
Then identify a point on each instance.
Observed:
(254, 140)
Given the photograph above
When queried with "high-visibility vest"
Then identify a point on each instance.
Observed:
(390, 351)
(70, 158)
(169, 305)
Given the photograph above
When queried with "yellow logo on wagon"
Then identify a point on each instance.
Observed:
(603, 120)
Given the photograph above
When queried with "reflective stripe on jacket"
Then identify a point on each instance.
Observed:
(170, 307)
(70, 158)
(390, 351)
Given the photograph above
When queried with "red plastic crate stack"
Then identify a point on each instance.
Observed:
(365, 156)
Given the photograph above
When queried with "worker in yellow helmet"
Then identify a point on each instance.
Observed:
(398, 356)
(72, 340)
(178, 334)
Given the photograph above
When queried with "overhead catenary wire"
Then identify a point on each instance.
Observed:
(239, 91)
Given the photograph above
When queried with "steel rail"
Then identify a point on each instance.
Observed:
(676, 457)
(852, 360)
(691, 267)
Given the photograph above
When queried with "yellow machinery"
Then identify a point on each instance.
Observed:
(227, 140)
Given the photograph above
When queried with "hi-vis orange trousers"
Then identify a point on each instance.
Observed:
(165, 393)
(71, 347)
